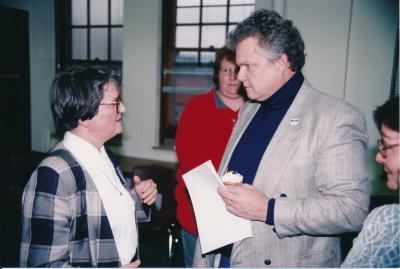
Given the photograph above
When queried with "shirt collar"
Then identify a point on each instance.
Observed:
(84, 152)
(218, 101)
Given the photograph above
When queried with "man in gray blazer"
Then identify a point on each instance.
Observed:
(302, 155)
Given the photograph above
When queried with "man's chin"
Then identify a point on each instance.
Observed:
(252, 97)
(256, 99)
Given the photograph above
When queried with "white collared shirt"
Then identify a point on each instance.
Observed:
(118, 203)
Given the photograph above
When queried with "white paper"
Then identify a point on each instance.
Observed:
(216, 226)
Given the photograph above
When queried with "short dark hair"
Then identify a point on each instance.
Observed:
(76, 94)
(220, 54)
(388, 114)
(276, 35)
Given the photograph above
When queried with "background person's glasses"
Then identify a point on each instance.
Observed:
(382, 147)
(115, 103)
(229, 71)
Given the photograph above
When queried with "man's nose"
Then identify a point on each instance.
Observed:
(379, 157)
(241, 76)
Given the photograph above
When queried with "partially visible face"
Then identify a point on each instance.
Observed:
(228, 82)
(261, 76)
(390, 158)
(107, 123)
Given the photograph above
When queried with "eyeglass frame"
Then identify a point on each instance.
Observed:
(382, 147)
(226, 72)
(115, 103)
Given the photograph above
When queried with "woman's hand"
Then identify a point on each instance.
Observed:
(146, 190)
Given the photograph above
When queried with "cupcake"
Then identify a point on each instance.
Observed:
(232, 178)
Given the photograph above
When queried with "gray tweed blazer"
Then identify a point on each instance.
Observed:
(315, 168)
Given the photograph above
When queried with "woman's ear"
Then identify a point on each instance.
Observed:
(83, 123)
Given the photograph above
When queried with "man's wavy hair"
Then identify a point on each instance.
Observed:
(276, 35)
(76, 94)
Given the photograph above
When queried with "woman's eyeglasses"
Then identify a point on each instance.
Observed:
(229, 71)
(115, 103)
(382, 147)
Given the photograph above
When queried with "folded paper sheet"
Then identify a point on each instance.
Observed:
(216, 226)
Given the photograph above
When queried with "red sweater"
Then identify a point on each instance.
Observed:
(202, 135)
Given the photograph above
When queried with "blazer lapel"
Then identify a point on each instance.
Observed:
(284, 142)
(245, 116)
(282, 145)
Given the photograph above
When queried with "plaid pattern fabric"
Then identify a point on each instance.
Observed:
(63, 219)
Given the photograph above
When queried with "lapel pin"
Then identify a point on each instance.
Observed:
(294, 122)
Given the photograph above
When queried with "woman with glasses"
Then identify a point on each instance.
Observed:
(378, 243)
(203, 132)
(77, 208)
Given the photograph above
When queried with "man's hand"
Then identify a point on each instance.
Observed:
(245, 201)
(146, 190)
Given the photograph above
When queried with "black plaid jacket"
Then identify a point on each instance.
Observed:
(63, 219)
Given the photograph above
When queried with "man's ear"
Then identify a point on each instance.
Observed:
(283, 62)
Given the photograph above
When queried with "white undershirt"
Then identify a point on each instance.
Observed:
(117, 202)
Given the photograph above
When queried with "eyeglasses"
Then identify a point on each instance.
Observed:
(115, 103)
(229, 71)
(382, 147)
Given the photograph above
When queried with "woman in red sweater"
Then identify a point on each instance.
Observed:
(203, 132)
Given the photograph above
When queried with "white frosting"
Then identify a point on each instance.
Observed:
(232, 177)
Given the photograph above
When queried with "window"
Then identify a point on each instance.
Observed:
(89, 32)
(192, 31)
